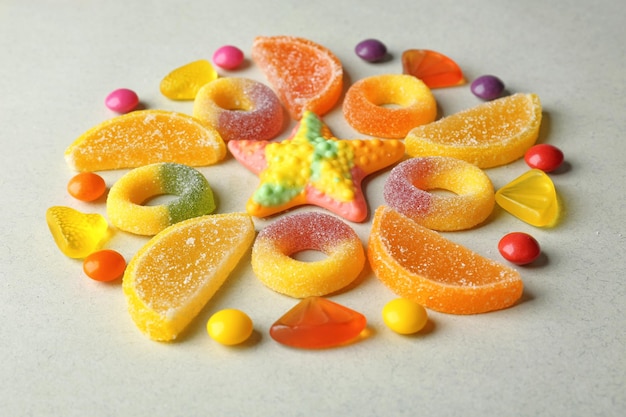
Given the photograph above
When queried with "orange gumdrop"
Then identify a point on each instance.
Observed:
(433, 68)
(316, 323)
(305, 75)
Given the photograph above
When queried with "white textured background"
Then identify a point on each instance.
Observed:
(67, 345)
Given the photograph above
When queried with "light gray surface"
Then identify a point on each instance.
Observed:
(67, 344)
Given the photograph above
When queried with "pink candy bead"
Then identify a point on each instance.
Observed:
(122, 100)
(228, 57)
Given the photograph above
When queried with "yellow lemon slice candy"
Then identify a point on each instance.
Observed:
(145, 137)
(488, 135)
(175, 274)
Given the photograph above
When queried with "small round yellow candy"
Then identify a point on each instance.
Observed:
(404, 316)
(229, 327)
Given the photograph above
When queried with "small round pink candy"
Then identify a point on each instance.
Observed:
(122, 100)
(228, 57)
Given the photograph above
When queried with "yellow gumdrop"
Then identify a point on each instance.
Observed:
(404, 316)
(184, 83)
(230, 327)
(76, 234)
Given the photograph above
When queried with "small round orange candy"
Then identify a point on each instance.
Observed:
(104, 265)
(86, 186)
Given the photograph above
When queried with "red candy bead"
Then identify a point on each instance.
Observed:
(544, 157)
(519, 248)
(104, 265)
(86, 186)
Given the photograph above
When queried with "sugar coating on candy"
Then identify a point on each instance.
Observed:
(318, 323)
(364, 105)
(532, 198)
(313, 167)
(471, 201)
(184, 82)
(145, 137)
(125, 203)
(273, 265)
(488, 135)
(434, 68)
(228, 57)
(421, 265)
(76, 234)
(172, 277)
(240, 109)
(305, 75)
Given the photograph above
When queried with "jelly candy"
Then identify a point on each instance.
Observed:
(488, 135)
(305, 75)
(173, 276)
(531, 197)
(316, 323)
(422, 266)
(145, 137)
(76, 234)
(184, 83)
(313, 167)
(433, 68)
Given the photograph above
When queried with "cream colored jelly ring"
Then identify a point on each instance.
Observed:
(239, 108)
(407, 191)
(364, 105)
(125, 207)
(273, 265)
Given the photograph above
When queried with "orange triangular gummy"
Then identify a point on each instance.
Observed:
(316, 323)
(305, 75)
(433, 68)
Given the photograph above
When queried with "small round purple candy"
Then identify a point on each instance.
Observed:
(228, 57)
(371, 50)
(122, 100)
(487, 87)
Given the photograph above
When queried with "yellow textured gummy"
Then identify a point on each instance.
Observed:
(184, 83)
(174, 275)
(491, 134)
(145, 137)
(76, 234)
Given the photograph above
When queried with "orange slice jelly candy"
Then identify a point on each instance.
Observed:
(184, 83)
(434, 69)
(421, 265)
(305, 75)
(488, 135)
(145, 137)
(175, 274)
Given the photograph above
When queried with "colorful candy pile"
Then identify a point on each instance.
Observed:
(192, 252)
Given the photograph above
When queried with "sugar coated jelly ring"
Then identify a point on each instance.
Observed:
(364, 108)
(124, 203)
(407, 191)
(239, 108)
(273, 265)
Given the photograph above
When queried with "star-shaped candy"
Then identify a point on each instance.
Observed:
(313, 167)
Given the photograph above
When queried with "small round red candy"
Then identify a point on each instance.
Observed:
(544, 157)
(228, 57)
(104, 265)
(122, 100)
(86, 186)
(519, 248)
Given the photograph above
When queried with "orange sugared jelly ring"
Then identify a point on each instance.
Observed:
(322, 232)
(125, 207)
(364, 105)
(407, 191)
(239, 108)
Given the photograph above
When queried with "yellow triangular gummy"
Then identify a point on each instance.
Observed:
(184, 83)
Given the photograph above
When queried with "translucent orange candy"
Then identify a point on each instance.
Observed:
(305, 75)
(422, 266)
(433, 68)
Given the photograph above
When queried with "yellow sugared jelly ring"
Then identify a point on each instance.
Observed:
(364, 105)
(125, 207)
(273, 265)
(239, 109)
(407, 191)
